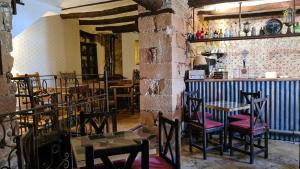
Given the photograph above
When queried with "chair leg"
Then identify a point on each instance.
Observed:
(266, 145)
(190, 139)
(230, 143)
(251, 149)
(204, 145)
(221, 142)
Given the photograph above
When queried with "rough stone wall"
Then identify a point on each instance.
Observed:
(163, 61)
(281, 55)
(7, 99)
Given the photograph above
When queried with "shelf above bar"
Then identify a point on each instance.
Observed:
(248, 37)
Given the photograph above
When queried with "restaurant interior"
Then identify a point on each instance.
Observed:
(149, 84)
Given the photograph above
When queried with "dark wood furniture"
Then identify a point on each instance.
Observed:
(253, 128)
(169, 156)
(103, 146)
(192, 94)
(98, 121)
(200, 126)
(245, 98)
(89, 63)
(104, 155)
(226, 107)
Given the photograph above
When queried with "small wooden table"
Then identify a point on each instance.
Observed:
(101, 142)
(129, 94)
(226, 107)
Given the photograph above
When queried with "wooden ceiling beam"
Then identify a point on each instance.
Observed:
(109, 21)
(113, 11)
(247, 15)
(119, 29)
(201, 3)
(245, 9)
(92, 4)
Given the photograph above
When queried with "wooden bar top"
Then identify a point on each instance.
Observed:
(245, 79)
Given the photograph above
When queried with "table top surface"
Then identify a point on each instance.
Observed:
(122, 86)
(227, 106)
(113, 140)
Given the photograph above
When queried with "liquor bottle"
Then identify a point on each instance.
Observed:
(216, 35)
(206, 35)
(221, 35)
(211, 34)
(198, 35)
(202, 34)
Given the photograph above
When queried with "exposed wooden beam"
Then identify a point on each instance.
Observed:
(166, 10)
(113, 11)
(263, 7)
(152, 5)
(119, 29)
(92, 4)
(201, 3)
(109, 21)
(248, 15)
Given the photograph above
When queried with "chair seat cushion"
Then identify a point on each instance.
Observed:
(155, 162)
(239, 117)
(209, 124)
(243, 126)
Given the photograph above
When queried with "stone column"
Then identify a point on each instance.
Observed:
(7, 99)
(163, 61)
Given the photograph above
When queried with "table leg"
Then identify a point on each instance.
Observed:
(225, 132)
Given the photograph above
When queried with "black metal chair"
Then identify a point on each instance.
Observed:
(201, 127)
(245, 97)
(132, 150)
(169, 157)
(252, 128)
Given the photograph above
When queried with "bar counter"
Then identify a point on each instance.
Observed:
(283, 93)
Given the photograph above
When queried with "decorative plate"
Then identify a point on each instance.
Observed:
(273, 26)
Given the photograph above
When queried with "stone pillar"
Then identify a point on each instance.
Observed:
(163, 61)
(7, 99)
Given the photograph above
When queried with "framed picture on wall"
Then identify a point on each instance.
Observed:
(136, 52)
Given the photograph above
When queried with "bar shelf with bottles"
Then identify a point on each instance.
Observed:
(246, 37)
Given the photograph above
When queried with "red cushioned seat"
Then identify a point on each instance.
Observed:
(209, 124)
(243, 126)
(155, 162)
(239, 117)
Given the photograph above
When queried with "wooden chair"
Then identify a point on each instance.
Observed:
(245, 97)
(193, 94)
(98, 121)
(201, 126)
(68, 79)
(253, 128)
(35, 80)
(169, 157)
(132, 150)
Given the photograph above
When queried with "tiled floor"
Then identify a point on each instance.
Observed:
(282, 155)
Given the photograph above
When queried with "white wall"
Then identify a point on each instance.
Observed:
(128, 53)
(48, 46)
(30, 13)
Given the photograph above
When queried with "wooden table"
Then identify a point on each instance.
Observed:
(226, 107)
(100, 142)
(129, 94)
